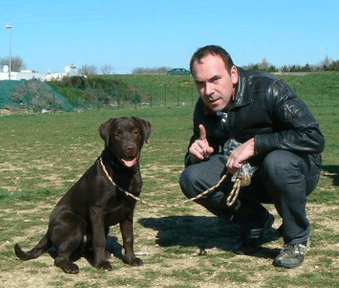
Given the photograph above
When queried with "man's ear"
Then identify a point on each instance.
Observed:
(234, 75)
(145, 127)
(104, 130)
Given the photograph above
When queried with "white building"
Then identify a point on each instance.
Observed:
(28, 75)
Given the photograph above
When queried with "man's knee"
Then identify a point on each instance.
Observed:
(186, 183)
(194, 181)
(190, 181)
(283, 173)
(280, 163)
(196, 178)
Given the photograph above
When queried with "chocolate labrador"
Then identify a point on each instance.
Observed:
(104, 196)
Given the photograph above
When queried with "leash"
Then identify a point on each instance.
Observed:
(241, 180)
(128, 194)
(209, 190)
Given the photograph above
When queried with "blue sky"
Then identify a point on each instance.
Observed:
(127, 34)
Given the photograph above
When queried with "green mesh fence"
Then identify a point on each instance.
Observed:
(7, 87)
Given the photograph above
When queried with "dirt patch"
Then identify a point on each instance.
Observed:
(165, 244)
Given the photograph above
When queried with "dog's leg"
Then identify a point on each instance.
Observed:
(67, 232)
(99, 242)
(126, 228)
(62, 261)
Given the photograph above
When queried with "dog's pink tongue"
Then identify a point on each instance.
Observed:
(130, 162)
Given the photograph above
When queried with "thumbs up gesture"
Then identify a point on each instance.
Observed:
(200, 149)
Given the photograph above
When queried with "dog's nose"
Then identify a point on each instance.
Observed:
(130, 150)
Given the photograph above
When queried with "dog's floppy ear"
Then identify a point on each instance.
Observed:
(104, 130)
(145, 127)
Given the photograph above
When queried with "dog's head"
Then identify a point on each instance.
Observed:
(124, 137)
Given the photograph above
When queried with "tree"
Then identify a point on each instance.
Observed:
(88, 70)
(306, 68)
(326, 62)
(264, 65)
(284, 68)
(334, 66)
(17, 63)
(272, 69)
(106, 69)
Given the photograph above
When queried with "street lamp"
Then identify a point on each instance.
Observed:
(9, 26)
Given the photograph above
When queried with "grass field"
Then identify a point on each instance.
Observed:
(41, 156)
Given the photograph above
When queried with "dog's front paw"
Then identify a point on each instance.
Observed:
(71, 268)
(136, 262)
(105, 265)
(66, 266)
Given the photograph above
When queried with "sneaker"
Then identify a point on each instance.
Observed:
(291, 256)
(253, 238)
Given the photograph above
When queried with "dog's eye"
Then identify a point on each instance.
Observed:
(117, 134)
(136, 133)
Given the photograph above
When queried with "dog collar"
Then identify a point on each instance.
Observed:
(114, 184)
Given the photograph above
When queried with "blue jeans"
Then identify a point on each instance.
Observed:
(283, 179)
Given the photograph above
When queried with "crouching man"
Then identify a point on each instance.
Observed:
(278, 135)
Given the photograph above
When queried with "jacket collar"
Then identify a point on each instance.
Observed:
(243, 95)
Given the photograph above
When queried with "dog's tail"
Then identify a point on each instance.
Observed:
(40, 248)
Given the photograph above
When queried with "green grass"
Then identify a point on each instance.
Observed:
(41, 156)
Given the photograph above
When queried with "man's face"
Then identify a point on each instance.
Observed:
(215, 84)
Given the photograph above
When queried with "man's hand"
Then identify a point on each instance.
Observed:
(240, 155)
(200, 149)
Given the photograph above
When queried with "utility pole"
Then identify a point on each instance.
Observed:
(9, 26)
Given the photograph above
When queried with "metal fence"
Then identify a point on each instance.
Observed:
(156, 95)
(319, 96)
(166, 96)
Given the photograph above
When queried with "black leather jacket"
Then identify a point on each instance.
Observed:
(267, 109)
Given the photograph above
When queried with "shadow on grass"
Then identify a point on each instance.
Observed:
(331, 171)
(112, 246)
(203, 232)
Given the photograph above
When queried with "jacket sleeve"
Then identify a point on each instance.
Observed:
(297, 129)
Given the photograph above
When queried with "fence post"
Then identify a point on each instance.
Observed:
(178, 95)
(150, 94)
(192, 92)
(322, 94)
(119, 97)
(53, 105)
(27, 95)
(151, 98)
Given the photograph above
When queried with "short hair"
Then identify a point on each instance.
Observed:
(214, 50)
